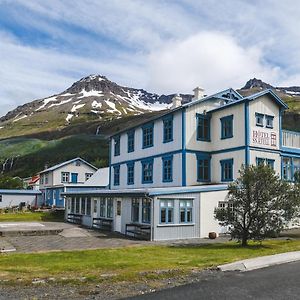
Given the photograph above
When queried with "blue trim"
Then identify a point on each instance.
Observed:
(149, 162)
(167, 208)
(226, 123)
(229, 163)
(290, 150)
(259, 115)
(166, 159)
(130, 178)
(264, 149)
(20, 192)
(186, 209)
(183, 153)
(269, 118)
(149, 136)
(168, 121)
(130, 141)
(247, 134)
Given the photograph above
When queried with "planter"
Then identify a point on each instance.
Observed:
(212, 235)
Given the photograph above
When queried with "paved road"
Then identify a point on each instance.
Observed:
(277, 282)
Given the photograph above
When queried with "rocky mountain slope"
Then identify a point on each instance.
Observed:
(92, 98)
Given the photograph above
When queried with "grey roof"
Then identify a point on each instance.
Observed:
(66, 163)
(20, 192)
(100, 178)
(151, 191)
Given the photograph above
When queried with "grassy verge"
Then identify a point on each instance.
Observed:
(130, 263)
(54, 216)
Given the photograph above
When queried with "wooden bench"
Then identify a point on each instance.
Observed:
(138, 231)
(74, 218)
(103, 224)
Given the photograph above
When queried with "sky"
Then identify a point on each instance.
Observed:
(166, 46)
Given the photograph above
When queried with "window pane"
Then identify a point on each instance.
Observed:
(163, 215)
(182, 215)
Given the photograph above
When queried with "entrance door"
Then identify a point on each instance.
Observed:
(118, 216)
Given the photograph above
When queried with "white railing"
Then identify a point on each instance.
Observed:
(291, 139)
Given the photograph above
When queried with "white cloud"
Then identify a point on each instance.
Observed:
(213, 60)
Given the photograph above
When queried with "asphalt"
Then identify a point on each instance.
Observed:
(275, 282)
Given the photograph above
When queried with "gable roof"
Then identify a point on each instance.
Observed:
(66, 163)
(100, 178)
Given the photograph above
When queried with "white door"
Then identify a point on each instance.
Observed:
(118, 215)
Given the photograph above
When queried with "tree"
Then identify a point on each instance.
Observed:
(259, 205)
(7, 182)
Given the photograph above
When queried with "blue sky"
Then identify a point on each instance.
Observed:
(162, 46)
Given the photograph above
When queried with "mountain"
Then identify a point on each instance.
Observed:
(91, 99)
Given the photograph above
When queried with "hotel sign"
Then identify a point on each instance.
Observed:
(261, 137)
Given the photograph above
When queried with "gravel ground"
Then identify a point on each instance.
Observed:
(105, 290)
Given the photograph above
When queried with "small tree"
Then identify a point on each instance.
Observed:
(260, 204)
(7, 182)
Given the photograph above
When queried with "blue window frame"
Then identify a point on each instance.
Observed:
(166, 211)
(74, 177)
(130, 141)
(130, 173)
(186, 211)
(269, 121)
(203, 127)
(117, 145)
(148, 135)
(227, 127)
(227, 169)
(147, 171)
(203, 168)
(259, 119)
(167, 173)
(287, 168)
(168, 129)
(116, 175)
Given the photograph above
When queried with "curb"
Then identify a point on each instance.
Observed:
(261, 262)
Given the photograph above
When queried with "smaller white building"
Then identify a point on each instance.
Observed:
(11, 198)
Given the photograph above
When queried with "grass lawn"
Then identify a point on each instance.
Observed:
(131, 263)
(54, 216)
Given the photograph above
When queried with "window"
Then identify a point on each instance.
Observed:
(117, 145)
(203, 128)
(95, 206)
(203, 168)
(166, 211)
(0, 198)
(88, 206)
(77, 205)
(109, 208)
(42, 179)
(168, 129)
(148, 135)
(116, 175)
(77, 163)
(65, 176)
(227, 170)
(146, 210)
(167, 168)
(130, 141)
(227, 127)
(269, 121)
(130, 173)
(73, 204)
(135, 210)
(259, 119)
(287, 168)
(186, 211)
(83, 201)
(88, 176)
(102, 207)
(46, 179)
(225, 205)
(265, 161)
(147, 171)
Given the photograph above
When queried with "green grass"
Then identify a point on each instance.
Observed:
(131, 263)
(53, 216)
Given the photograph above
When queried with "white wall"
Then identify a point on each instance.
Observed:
(16, 199)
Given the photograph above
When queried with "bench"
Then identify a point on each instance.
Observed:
(103, 224)
(138, 231)
(74, 218)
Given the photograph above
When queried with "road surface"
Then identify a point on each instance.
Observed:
(276, 282)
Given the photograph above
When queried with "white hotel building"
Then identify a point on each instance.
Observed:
(167, 175)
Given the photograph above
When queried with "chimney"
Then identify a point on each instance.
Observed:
(176, 101)
(198, 93)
